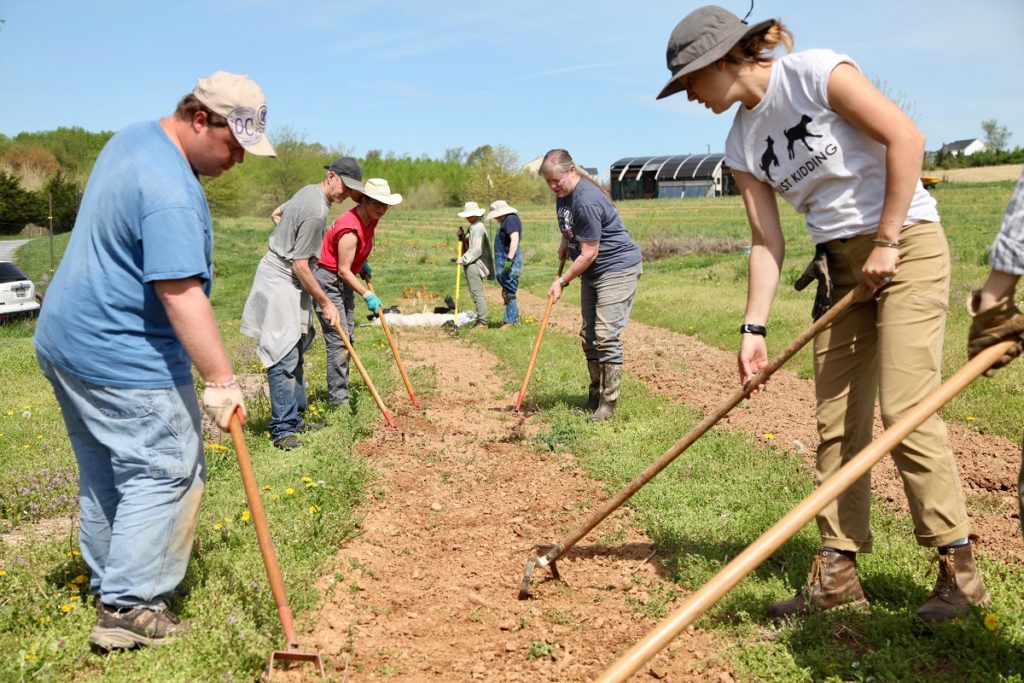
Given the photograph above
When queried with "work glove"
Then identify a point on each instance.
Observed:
(507, 268)
(372, 302)
(366, 271)
(1002, 322)
(221, 400)
(817, 269)
(454, 260)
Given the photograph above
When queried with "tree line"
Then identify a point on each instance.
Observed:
(53, 166)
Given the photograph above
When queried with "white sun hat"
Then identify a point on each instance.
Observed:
(378, 188)
(472, 209)
(500, 208)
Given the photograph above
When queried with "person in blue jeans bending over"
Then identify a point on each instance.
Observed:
(279, 310)
(508, 256)
(125, 318)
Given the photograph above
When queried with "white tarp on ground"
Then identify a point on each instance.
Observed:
(426, 319)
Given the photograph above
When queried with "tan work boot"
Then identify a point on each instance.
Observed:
(594, 391)
(832, 583)
(957, 588)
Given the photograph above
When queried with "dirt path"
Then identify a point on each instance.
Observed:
(428, 591)
(702, 377)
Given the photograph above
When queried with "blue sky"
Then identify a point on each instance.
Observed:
(421, 76)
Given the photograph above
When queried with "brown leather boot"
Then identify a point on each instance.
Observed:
(832, 583)
(594, 391)
(957, 588)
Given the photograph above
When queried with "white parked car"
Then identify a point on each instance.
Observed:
(17, 293)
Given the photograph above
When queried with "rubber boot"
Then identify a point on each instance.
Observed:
(957, 588)
(611, 376)
(832, 582)
(594, 392)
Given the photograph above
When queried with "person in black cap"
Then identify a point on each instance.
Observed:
(812, 128)
(279, 309)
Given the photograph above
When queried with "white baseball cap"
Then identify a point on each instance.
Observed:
(239, 100)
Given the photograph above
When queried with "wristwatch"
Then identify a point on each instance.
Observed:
(749, 328)
(562, 282)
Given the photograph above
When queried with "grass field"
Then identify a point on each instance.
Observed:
(699, 514)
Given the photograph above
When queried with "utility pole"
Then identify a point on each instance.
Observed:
(49, 217)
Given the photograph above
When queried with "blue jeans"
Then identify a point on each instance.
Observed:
(605, 302)
(141, 476)
(287, 392)
(509, 283)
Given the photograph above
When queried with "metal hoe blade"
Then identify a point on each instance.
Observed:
(291, 655)
(551, 553)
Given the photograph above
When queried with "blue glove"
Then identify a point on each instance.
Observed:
(372, 302)
(366, 271)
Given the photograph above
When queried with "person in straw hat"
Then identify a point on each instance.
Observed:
(508, 257)
(476, 260)
(345, 252)
(279, 309)
(811, 127)
(126, 317)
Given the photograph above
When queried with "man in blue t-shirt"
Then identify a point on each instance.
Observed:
(125, 318)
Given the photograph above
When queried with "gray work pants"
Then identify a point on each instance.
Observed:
(605, 302)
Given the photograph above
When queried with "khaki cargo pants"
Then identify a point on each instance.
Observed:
(891, 347)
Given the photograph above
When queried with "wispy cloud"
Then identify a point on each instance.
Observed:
(571, 69)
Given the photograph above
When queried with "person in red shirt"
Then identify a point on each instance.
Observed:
(344, 253)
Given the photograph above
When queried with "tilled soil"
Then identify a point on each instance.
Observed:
(428, 591)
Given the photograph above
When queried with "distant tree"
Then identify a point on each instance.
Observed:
(996, 136)
(65, 195)
(455, 154)
(18, 207)
(478, 155)
(32, 164)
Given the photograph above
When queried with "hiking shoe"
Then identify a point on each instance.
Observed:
(310, 427)
(287, 442)
(958, 587)
(130, 627)
(832, 582)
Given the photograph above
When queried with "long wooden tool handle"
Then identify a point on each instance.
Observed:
(860, 293)
(458, 281)
(536, 344)
(771, 540)
(398, 357)
(259, 520)
(362, 371)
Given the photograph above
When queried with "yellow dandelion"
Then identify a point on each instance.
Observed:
(44, 620)
(991, 621)
(289, 491)
(9, 413)
(30, 657)
(307, 479)
(39, 437)
(970, 418)
(769, 436)
(78, 580)
(3, 573)
(310, 484)
(245, 515)
(217, 526)
(26, 407)
(313, 509)
(67, 607)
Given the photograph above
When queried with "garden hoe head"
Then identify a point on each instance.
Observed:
(547, 556)
(293, 654)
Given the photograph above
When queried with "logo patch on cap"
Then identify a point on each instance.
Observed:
(248, 124)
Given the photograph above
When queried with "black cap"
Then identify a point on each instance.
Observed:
(349, 170)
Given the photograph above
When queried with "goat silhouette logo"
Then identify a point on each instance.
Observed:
(768, 159)
(799, 132)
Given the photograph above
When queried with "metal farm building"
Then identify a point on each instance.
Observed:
(671, 177)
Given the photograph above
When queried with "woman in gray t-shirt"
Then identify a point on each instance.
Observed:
(608, 264)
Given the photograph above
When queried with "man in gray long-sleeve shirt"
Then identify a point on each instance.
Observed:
(996, 317)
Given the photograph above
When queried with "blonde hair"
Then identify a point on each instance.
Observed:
(561, 160)
(758, 47)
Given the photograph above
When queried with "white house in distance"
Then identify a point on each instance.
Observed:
(964, 147)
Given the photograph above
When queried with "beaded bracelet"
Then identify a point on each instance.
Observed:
(233, 384)
(886, 243)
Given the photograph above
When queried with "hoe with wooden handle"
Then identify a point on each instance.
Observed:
(771, 540)
(292, 652)
(555, 552)
(362, 372)
(398, 358)
(536, 345)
